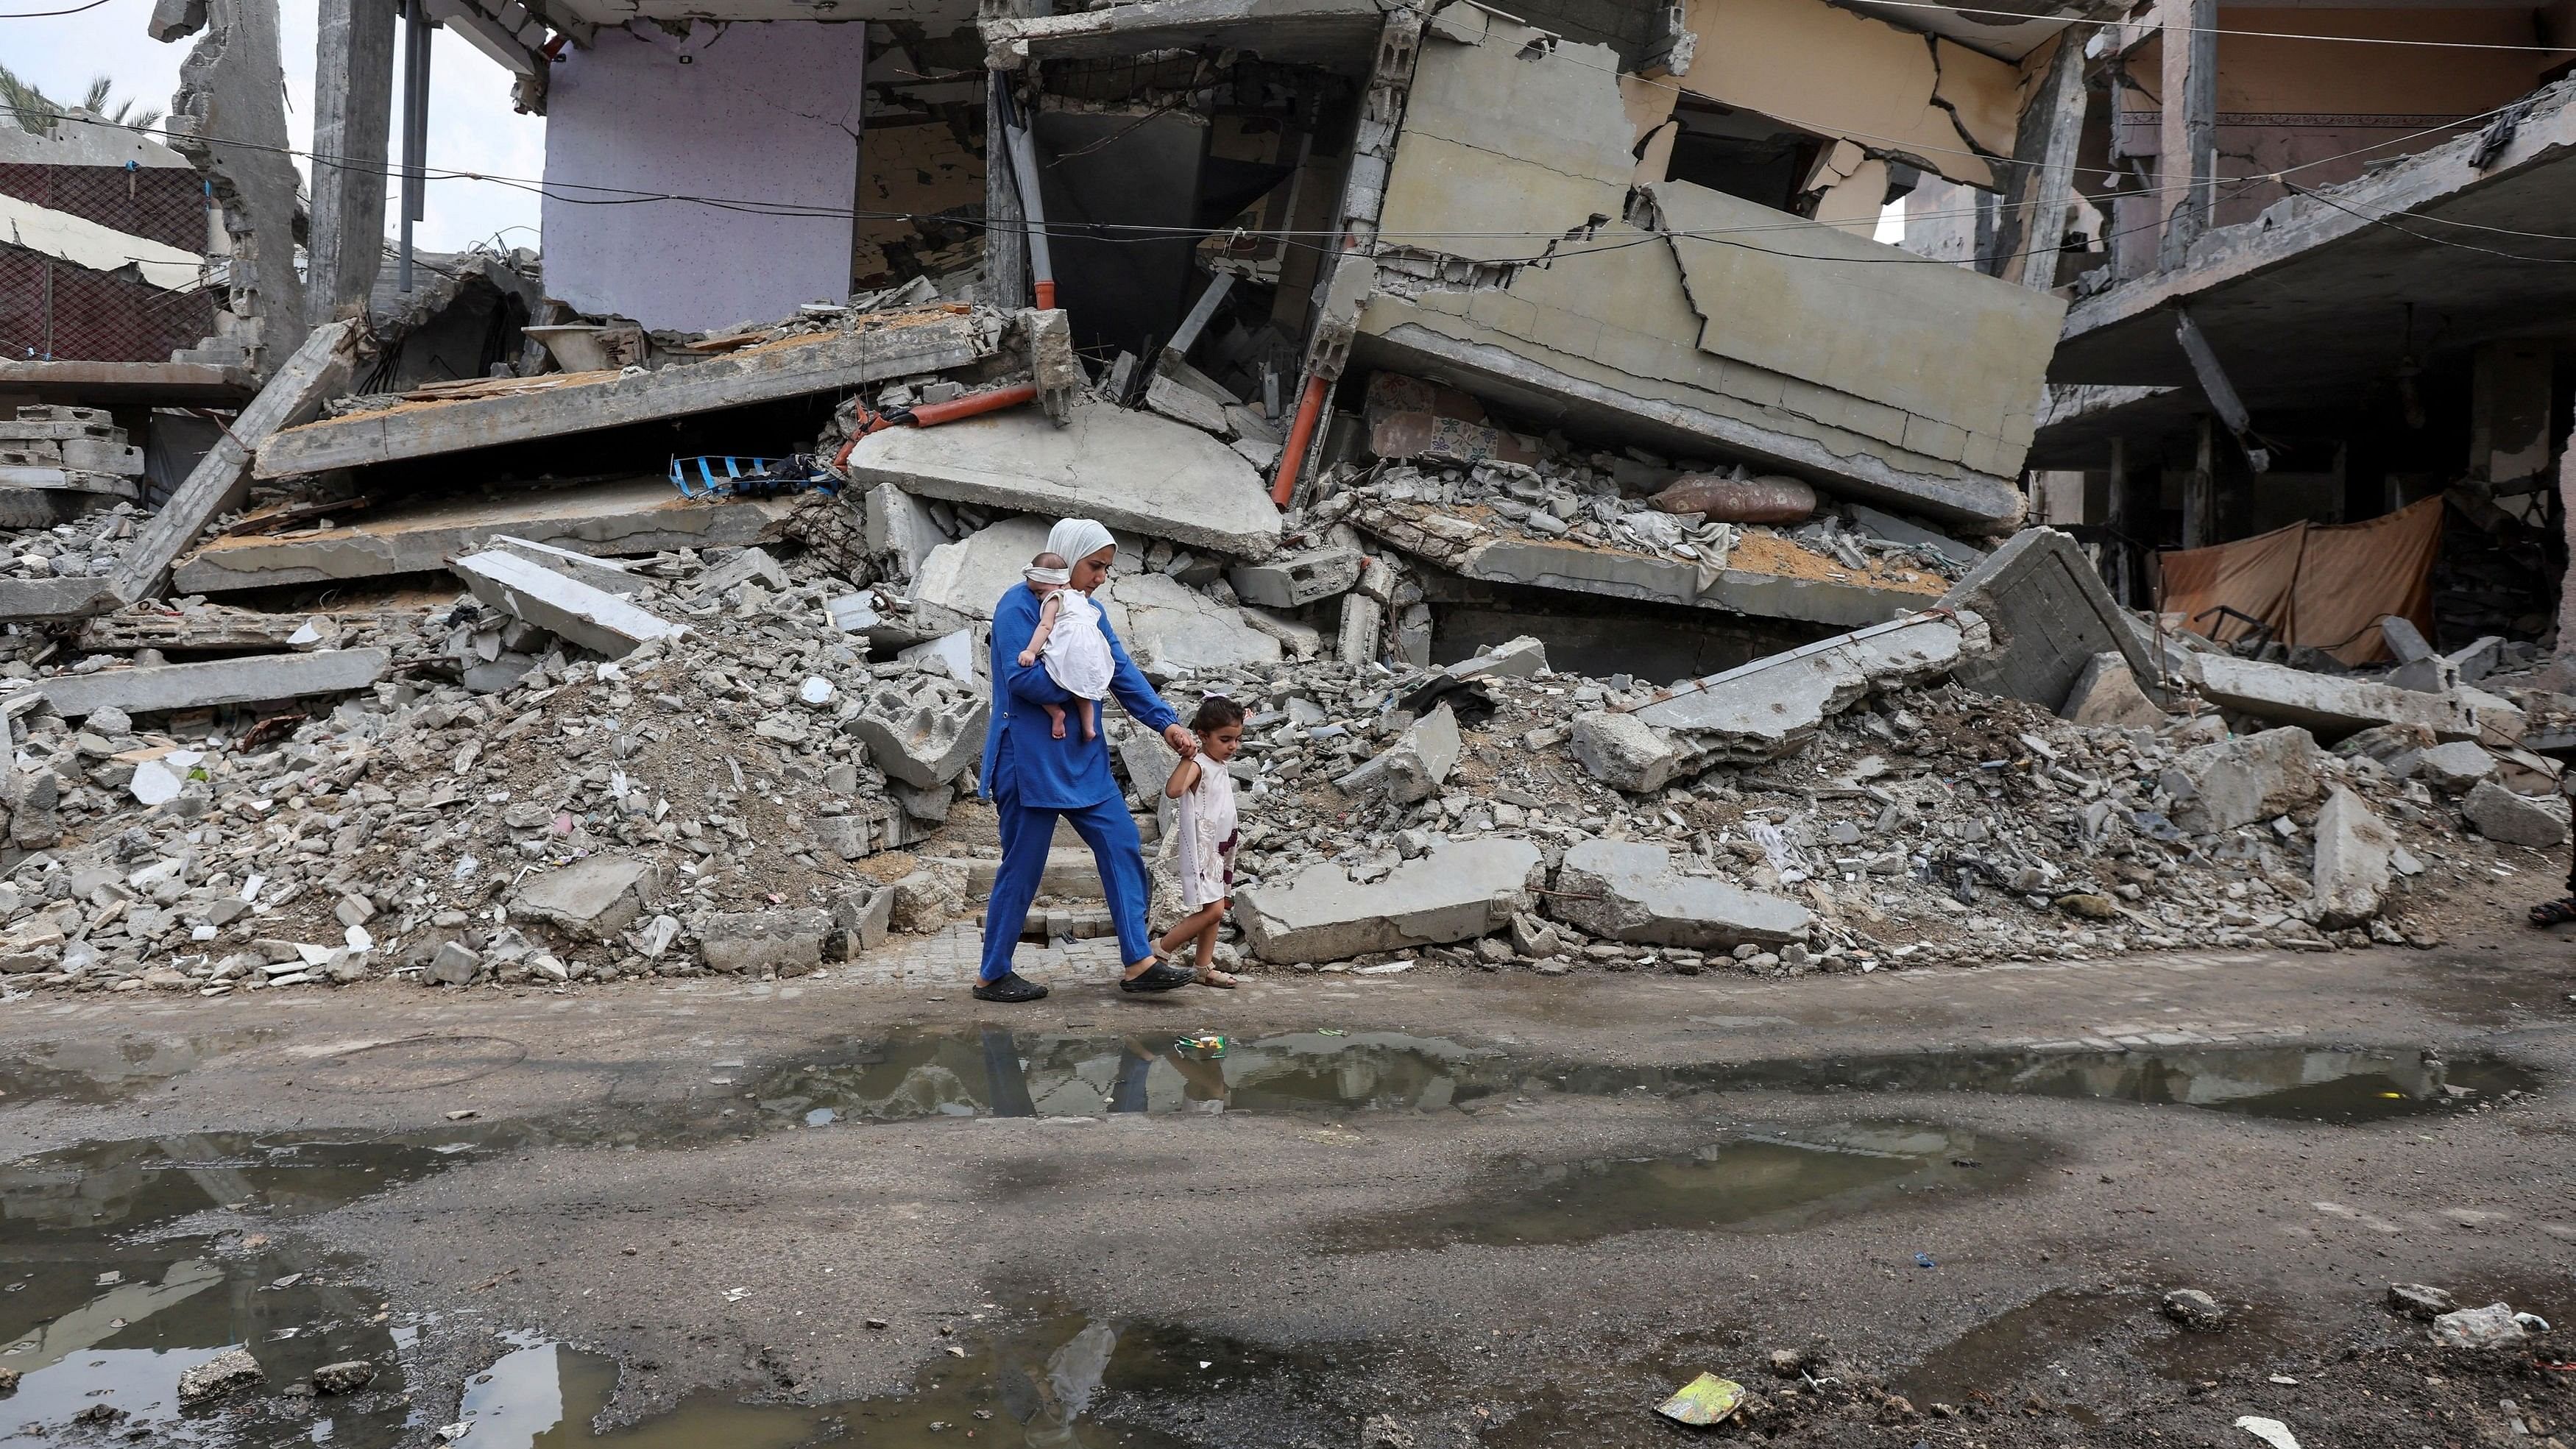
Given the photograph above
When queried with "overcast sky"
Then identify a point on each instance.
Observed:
(471, 125)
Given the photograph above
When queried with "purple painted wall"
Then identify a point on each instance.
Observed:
(757, 111)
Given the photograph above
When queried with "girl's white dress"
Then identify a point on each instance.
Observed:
(1205, 826)
(1077, 653)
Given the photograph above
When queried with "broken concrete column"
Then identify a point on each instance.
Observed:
(2331, 706)
(353, 69)
(2503, 816)
(2107, 693)
(593, 898)
(229, 119)
(924, 730)
(1414, 766)
(2239, 781)
(1459, 891)
(154, 688)
(566, 607)
(1363, 626)
(2352, 866)
(1291, 580)
(787, 942)
(1627, 890)
(2050, 614)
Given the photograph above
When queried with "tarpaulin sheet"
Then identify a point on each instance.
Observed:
(2323, 585)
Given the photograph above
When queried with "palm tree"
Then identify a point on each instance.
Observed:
(95, 99)
(34, 111)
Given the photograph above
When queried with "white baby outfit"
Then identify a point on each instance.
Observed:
(1077, 653)
(1206, 830)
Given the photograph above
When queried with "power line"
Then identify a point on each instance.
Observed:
(43, 14)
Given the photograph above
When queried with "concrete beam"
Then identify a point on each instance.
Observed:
(1285, 32)
(353, 68)
(2031, 222)
(151, 384)
(595, 619)
(641, 516)
(796, 367)
(600, 573)
(154, 688)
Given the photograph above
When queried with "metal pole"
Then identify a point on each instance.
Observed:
(415, 131)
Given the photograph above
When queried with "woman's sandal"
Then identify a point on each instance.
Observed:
(2554, 913)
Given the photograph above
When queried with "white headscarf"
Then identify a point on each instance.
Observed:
(1076, 539)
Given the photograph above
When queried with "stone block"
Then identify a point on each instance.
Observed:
(2107, 693)
(740, 567)
(1184, 404)
(455, 964)
(1625, 890)
(1413, 767)
(605, 574)
(2332, 706)
(1298, 641)
(1459, 891)
(593, 898)
(2405, 641)
(1363, 626)
(1296, 579)
(2239, 781)
(958, 654)
(2510, 819)
(1624, 752)
(897, 529)
(2352, 861)
(923, 731)
(861, 920)
(1521, 658)
(227, 1372)
(2049, 613)
(849, 837)
(789, 943)
(2457, 766)
(593, 618)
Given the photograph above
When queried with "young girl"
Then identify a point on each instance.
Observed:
(1068, 635)
(1206, 828)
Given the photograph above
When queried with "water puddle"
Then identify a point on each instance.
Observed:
(994, 1073)
(2302, 1084)
(98, 1070)
(1058, 1382)
(997, 1073)
(1754, 1181)
(2075, 1342)
(123, 1264)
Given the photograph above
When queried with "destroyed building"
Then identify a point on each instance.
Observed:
(1621, 551)
(2316, 290)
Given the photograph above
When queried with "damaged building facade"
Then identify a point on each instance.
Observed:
(1621, 551)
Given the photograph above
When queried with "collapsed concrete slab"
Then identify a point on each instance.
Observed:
(2239, 781)
(155, 688)
(1459, 891)
(633, 516)
(1772, 706)
(1764, 576)
(2354, 848)
(1128, 470)
(1171, 629)
(894, 345)
(1414, 766)
(2333, 706)
(2051, 615)
(971, 575)
(593, 898)
(599, 573)
(1627, 890)
(565, 607)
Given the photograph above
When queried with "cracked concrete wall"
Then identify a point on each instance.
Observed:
(1913, 385)
(1937, 106)
(765, 111)
(233, 86)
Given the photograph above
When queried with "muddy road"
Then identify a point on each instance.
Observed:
(1937, 1207)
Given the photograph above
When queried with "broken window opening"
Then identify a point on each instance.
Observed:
(1744, 155)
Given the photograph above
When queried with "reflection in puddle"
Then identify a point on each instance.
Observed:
(998, 1074)
(1049, 1385)
(1772, 1181)
(2074, 1337)
(97, 1069)
(2306, 1084)
(109, 1296)
(993, 1073)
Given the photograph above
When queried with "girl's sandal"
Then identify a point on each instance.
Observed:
(1210, 976)
(2554, 913)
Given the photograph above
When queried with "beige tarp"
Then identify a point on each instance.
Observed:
(2325, 586)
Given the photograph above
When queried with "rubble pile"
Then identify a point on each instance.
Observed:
(87, 546)
(68, 478)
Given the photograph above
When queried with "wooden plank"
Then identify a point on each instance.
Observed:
(825, 362)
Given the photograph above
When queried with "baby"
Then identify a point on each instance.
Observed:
(1068, 637)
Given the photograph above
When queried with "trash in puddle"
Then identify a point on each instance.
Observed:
(1331, 1031)
(1703, 1401)
(1205, 1046)
(2270, 1431)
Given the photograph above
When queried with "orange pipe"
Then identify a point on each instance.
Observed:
(931, 415)
(1046, 294)
(1300, 433)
